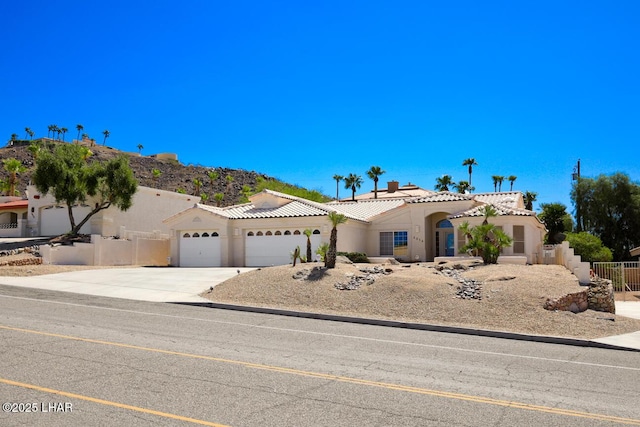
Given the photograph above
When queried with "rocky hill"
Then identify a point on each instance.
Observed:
(174, 176)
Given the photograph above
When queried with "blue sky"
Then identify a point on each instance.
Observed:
(304, 90)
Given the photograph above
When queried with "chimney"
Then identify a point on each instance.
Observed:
(392, 186)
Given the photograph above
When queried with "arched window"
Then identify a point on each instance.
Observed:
(259, 233)
(215, 234)
(250, 233)
(205, 234)
(296, 233)
(287, 233)
(316, 231)
(186, 235)
(278, 233)
(268, 233)
(196, 234)
(445, 223)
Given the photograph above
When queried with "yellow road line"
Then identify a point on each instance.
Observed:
(110, 403)
(389, 386)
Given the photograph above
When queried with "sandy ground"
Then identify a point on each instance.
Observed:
(512, 296)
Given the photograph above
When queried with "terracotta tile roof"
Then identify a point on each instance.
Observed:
(14, 204)
(367, 209)
(511, 198)
(501, 209)
(442, 196)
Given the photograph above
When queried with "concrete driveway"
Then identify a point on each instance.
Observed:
(158, 284)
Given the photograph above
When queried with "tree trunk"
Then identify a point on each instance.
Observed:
(309, 254)
(75, 229)
(330, 260)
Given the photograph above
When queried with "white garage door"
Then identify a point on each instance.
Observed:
(54, 220)
(265, 248)
(199, 249)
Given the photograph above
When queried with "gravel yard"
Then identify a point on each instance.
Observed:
(511, 296)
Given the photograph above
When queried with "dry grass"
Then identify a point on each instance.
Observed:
(418, 293)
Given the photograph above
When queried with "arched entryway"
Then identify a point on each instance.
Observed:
(439, 236)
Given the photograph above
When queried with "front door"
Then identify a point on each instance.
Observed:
(449, 246)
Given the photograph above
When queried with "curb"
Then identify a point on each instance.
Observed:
(408, 325)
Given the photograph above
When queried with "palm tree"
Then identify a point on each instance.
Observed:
(374, 173)
(471, 162)
(140, 147)
(335, 219)
(31, 133)
(34, 148)
(58, 131)
(500, 179)
(443, 183)
(229, 179)
(462, 187)
(353, 182)
(51, 130)
(529, 198)
(246, 192)
(338, 178)
(106, 134)
(14, 136)
(14, 167)
(80, 129)
(213, 176)
(197, 184)
(28, 132)
(489, 212)
(308, 232)
(156, 174)
(203, 198)
(512, 179)
(218, 197)
(63, 130)
(496, 179)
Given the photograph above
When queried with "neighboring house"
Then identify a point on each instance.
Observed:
(150, 206)
(13, 215)
(419, 226)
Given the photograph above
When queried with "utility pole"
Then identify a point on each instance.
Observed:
(576, 177)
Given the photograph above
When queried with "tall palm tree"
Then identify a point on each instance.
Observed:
(512, 179)
(500, 180)
(374, 173)
(58, 131)
(229, 180)
(203, 198)
(31, 133)
(80, 129)
(14, 167)
(63, 130)
(197, 184)
(338, 178)
(140, 147)
(213, 176)
(496, 179)
(471, 162)
(106, 134)
(353, 182)
(51, 130)
(335, 219)
(529, 198)
(27, 132)
(443, 182)
(218, 197)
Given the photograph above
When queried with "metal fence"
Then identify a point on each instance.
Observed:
(625, 276)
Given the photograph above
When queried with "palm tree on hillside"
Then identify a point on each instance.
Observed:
(27, 132)
(471, 162)
(197, 184)
(512, 179)
(335, 219)
(106, 134)
(80, 129)
(140, 147)
(156, 174)
(51, 131)
(353, 182)
(229, 180)
(203, 198)
(338, 178)
(63, 130)
(443, 182)
(495, 179)
(529, 198)
(374, 173)
(218, 197)
(500, 180)
(14, 167)
(213, 177)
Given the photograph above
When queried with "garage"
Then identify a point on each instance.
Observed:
(54, 220)
(274, 247)
(200, 248)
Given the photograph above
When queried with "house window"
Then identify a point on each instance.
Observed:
(287, 233)
(196, 235)
(394, 243)
(205, 234)
(518, 239)
(215, 234)
(297, 232)
(316, 231)
(186, 235)
(278, 233)
(268, 233)
(250, 233)
(259, 233)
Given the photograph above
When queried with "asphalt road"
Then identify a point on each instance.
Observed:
(78, 360)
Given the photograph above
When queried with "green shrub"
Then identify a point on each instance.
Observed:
(355, 256)
(589, 247)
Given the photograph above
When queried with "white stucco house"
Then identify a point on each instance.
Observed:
(411, 225)
(13, 216)
(404, 222)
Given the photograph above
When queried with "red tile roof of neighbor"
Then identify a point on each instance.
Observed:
(14, 204)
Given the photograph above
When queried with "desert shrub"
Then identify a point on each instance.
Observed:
(589, 247)
(355, 256)
(322, 250)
